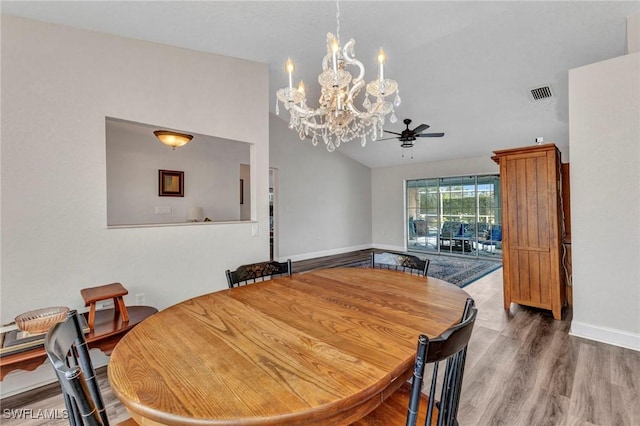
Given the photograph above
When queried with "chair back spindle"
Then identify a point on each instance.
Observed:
(418, 372)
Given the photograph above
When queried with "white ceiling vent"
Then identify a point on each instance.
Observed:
(540, 93)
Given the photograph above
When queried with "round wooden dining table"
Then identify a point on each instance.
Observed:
(324, 347)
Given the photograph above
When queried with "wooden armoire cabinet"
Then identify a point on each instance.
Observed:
(532, 227)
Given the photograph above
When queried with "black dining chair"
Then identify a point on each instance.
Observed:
(439, 406)
(67, 350)
(256, 272)
(400, 262)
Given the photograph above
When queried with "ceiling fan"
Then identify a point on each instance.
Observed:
(408, 136)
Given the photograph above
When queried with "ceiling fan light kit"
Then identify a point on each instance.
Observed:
(338, 119)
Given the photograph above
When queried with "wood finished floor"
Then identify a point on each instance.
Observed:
(522, 368)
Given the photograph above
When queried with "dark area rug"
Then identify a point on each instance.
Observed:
(460, 271)
(455, 270)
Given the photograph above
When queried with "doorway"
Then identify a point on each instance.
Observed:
(273, 213)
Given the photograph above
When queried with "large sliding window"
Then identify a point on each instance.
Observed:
(458, 215)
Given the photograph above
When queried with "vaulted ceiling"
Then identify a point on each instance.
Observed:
(464, 68)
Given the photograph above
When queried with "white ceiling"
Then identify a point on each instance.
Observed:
(463, 67)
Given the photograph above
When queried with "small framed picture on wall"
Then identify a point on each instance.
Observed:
(170, 183)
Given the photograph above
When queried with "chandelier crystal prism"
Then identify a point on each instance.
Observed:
(338, 119)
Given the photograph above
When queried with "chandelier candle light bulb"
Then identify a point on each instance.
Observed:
(290, 68)
(381, 58)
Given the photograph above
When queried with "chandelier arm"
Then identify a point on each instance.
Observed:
(306, 113)
(348, 56)
(355, 110)
(316, 126)
(355, 89)
(325, 62)
(299, 110)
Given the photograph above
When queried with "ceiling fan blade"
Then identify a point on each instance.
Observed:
(386, 139)
(393, 133)
(421, 128)
(430, 135)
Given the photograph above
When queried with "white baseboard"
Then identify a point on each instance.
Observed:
(390, 247)
(607, 335)
(331, 252)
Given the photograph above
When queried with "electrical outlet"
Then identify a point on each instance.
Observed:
(107, 304)
(140, 299)
(163, 210)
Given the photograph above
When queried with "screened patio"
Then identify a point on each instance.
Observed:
(455, 215)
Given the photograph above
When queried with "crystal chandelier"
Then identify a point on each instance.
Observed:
(338, 119)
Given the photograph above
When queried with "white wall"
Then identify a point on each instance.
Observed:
(324, 199)
(58, 85)
(211, 169)
(604, 112)
(633, 33)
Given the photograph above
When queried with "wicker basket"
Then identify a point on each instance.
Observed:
(40, 320)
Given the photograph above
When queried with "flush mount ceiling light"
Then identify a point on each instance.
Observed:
(337, 119)
(173, 139)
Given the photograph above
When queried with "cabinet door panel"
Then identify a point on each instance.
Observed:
(545, 278)
(532, 172)
(534, 274)
(524, 285)
(530, 278)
